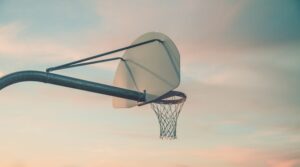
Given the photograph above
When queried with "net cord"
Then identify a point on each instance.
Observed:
(167, 109)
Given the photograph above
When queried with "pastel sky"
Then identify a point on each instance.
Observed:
(240, 69)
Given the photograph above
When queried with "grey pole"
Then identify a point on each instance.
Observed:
(71, 83)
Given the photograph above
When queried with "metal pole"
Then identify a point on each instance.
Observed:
(71, 83)
(84, 64)
(101, 55)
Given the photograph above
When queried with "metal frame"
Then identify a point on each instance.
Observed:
(70, 82)
(78, 63)
(75, 83)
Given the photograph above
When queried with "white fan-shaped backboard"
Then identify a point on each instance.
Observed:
(153, 67)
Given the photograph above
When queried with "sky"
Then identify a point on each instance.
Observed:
(240, 69)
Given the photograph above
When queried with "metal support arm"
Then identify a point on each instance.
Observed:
(78, 83)
(71, 83)
(80, 62)
(83, 64)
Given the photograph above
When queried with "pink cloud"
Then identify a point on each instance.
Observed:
(1, 74)
(231, 155)
(176, 18)
(247, 157)
(285, 163)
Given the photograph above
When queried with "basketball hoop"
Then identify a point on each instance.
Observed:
(148, 72)
(167, 109)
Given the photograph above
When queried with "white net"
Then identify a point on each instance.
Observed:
(167, 112)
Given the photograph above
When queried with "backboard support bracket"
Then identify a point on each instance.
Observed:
(85, 61)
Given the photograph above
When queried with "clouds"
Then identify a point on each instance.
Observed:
(13, 44)
(284, 163)
(241, 156)
(181, 19)
(58, 18)
(2, 74)
(269, 22)
(240, 65)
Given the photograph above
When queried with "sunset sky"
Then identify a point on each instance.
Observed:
(240, 68)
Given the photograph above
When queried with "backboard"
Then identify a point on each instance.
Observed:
(153, 68)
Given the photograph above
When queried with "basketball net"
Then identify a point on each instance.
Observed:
(167, 109)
